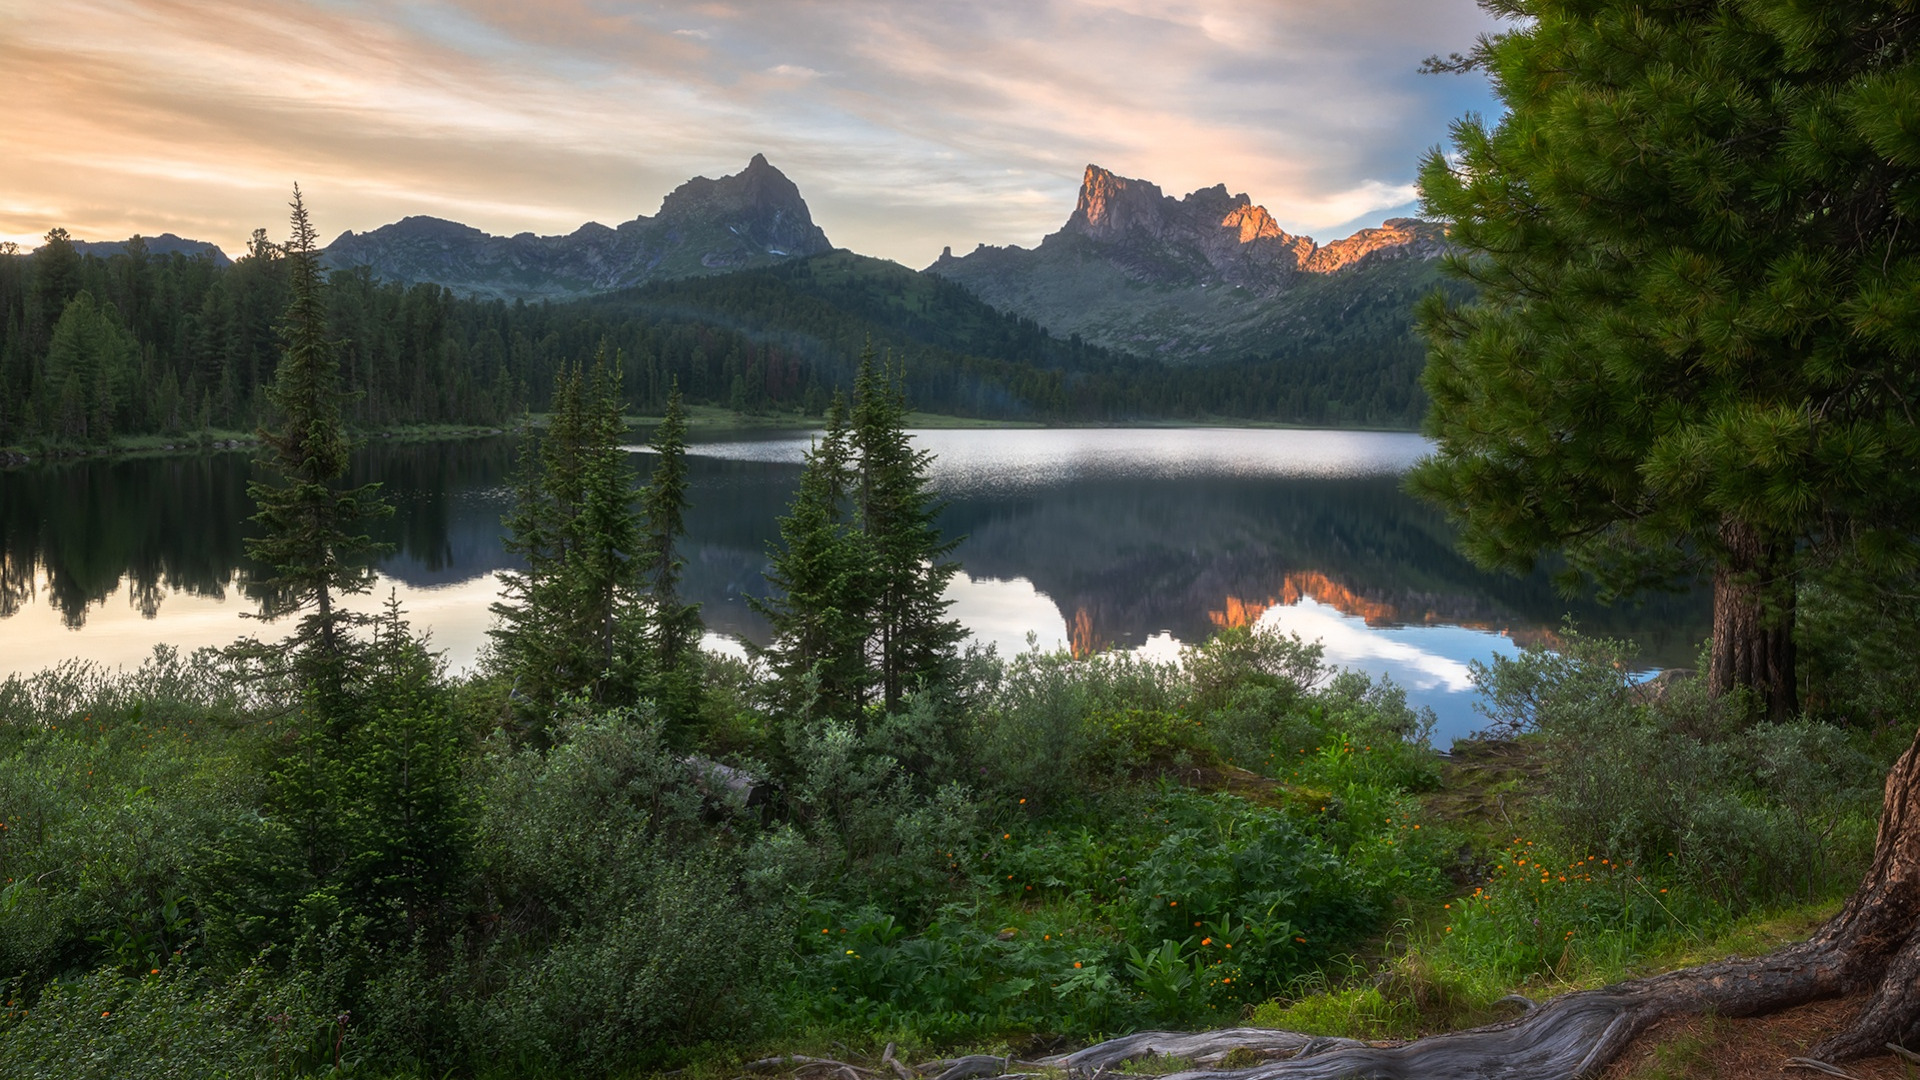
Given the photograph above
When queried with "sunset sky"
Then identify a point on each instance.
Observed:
(907, 126)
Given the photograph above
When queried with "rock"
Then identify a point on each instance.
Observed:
(753, 218)
(1203, 278)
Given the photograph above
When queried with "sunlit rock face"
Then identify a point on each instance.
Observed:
(753, 218)
(1206, 277)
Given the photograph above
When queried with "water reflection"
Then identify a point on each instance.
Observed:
(1084, 539)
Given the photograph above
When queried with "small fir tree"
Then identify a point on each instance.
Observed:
(672, 657)
(913, 642)
(309, 524)
(567, 622)
(859, 610)
(819, 576)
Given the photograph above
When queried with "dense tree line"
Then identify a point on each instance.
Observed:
(93, 348)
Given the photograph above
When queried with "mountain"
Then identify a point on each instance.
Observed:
(753, 218)
(1204, 278)
(164, 244)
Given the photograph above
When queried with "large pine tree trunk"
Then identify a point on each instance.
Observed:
(1874, 942)
(1753, 611)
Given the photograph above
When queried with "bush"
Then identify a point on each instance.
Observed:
(171, 1021)
(1746, 813)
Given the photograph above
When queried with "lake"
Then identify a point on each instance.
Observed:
(1082, 538)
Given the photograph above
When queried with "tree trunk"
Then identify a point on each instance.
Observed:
(1753, 613)
(1873, 942)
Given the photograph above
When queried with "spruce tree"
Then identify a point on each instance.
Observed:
(308, 523)
(568, 621)
(860, 613)
(913, 642)
(1693, 347)
(820, 576)
(673, 626)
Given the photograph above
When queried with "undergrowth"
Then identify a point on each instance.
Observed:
(1067, 850)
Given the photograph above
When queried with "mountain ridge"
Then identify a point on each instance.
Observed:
(1204, 277)
(164, 244)
(751, 218)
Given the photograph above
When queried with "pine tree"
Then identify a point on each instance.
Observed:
(913, 641)
(1693, 347)
(820, 574)
(568, 622)
(673, 626)
(862, 569)
(308, 522)
(90, 371)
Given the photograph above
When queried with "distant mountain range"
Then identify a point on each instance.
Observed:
(751, 219)
(164, 244)
(1203, 279)
(1207, 277)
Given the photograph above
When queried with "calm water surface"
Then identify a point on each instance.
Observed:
(1084, 539)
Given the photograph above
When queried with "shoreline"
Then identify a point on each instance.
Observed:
(701, 418)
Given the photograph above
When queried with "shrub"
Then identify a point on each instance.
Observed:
(172, 1021)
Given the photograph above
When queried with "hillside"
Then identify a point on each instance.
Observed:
(1205, 278)
(752, 218)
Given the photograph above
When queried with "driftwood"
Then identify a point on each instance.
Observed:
(1203, 1047)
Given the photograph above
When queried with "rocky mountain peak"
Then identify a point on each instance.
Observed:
(751, 218)
(1111, 205)
(1138, 270)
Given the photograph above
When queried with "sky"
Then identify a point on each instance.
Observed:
(908, 126)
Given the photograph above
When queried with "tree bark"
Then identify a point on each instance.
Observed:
(1753, 614)
(1874, 941)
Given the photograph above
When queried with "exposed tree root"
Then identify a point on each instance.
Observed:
(1873, 941)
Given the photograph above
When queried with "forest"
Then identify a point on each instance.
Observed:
(94, 349)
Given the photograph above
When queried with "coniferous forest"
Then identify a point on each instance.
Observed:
(96, 348)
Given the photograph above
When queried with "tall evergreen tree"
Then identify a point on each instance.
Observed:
(860, 613)
(820, 576)
(913, 641)
(90, 372)
(307, 522)
(1694, 345)
(567, 623)
(673, 626)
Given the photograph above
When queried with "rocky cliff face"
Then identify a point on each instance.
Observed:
(1204, 277)
(752, 218)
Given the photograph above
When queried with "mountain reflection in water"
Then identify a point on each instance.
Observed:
(1083, 539)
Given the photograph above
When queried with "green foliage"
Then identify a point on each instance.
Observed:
(673, 647)
(306, 521)
(1691, 349)
(571, 621)
(911, 640)
(1682, 787)
(90, 373)
(860, 614)
(1059, 847)
(1037, 737)
(172, 1021)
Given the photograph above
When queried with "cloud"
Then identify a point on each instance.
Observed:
(940, 124)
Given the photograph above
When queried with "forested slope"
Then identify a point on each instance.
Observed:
(95, 348)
